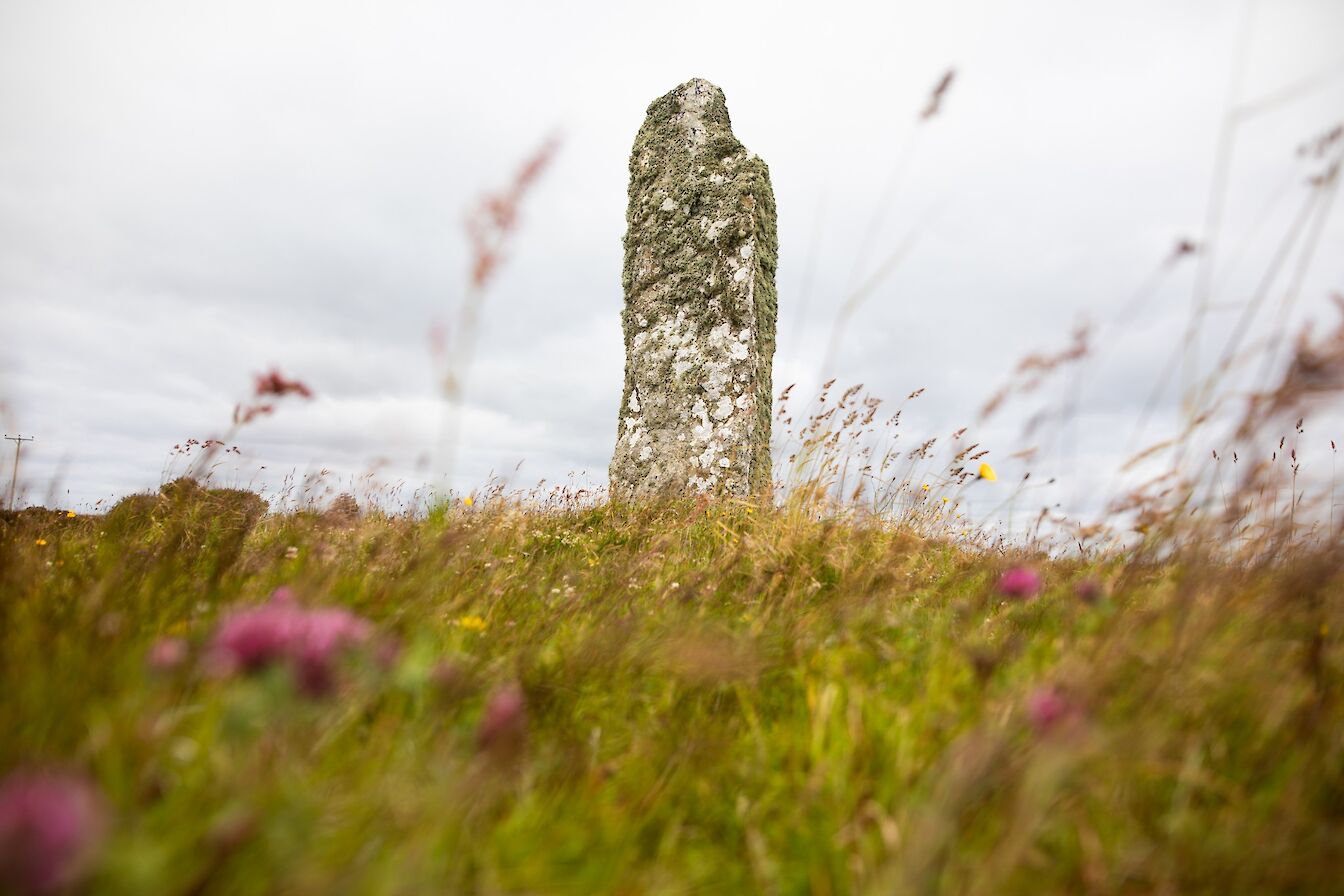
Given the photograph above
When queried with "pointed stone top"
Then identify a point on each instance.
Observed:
(697, 92)
(696, 109)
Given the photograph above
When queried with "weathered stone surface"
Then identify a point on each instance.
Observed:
(700, 306)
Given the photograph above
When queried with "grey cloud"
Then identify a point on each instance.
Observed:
(191, 193)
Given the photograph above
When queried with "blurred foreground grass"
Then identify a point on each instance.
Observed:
(715, 698)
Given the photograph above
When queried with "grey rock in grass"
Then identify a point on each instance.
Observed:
(700, 306)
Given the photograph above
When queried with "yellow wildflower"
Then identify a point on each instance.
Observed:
(70, 514)
(41, 542)
(468, 500)
(987, 472)
(472, 623)
(924, 487)
(945, 500)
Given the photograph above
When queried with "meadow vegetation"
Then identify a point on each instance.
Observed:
(706, 696)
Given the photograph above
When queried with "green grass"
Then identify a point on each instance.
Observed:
(720, 699)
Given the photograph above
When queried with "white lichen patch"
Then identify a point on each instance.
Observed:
(714, 228)
(697, 373)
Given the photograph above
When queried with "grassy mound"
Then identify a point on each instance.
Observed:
(708, 697)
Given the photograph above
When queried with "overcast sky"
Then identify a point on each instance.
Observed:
(191, 193)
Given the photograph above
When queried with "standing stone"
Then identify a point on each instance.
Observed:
(700, 306)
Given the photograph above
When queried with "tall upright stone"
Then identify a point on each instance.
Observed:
(700, 306)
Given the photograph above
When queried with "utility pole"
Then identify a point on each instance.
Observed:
(14, 480)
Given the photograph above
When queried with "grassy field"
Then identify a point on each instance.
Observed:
(695, 697)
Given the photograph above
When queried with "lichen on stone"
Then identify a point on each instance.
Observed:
(700, 306)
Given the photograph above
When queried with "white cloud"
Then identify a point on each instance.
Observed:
(191, 193)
